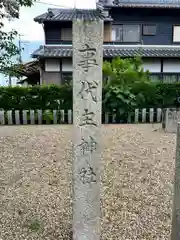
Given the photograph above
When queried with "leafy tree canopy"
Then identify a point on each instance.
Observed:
(9, 9)
(122, 75)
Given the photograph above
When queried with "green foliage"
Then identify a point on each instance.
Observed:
(142, 94)
(8, 49)
(47, 116)
(116, 98)
(157, 95)
(122, 75)
(169, 94)
(9, 9)
(45, 97)
(147, 95)
(125, 72)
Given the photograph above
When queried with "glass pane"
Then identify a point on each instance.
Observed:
(176, 34)
(117, 33)
(169, 78)
(66, 77)
(66, 34)
(121, 33)
(113, 34)
(149, 29)
(131, 33)
(178, 76)
(155, 78)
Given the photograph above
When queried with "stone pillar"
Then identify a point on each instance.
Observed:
(175, 235)
(172, 117)
(87, 102)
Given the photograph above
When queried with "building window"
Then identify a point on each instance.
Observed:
(149, 30)
(67, 65)
(126, 33)
(170, 78)
(52, 65)
(165, 77)
(176, 33)
(66, 34)
(66, 77)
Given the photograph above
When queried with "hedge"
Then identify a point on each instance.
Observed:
(157, 95)
(48, 97)
(60, 97)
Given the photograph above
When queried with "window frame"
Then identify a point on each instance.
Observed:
(115, 26)
(149, 34)
(175, 25)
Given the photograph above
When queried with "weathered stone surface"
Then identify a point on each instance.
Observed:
(172, 117)
(176, 208)
(87, 94)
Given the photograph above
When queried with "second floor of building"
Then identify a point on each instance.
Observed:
(122, 26)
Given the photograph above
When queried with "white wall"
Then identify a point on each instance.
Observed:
(171, 65)
(176, 33)
(52, 65)
(67, 65)
(153, 65)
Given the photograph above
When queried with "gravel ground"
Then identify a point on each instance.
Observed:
(35, 182)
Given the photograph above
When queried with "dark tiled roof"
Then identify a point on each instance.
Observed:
(53, 51)
(61, 14)
(27, 69)
(143, 3)
(142, 51)
(111, 51)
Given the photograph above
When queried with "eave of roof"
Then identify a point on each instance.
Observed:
(145, 6)
(144, 3)
(110, 51)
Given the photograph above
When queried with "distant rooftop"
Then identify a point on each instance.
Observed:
(142, 3)
(63, 14)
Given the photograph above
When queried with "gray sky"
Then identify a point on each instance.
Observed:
(33, 31)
